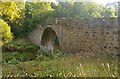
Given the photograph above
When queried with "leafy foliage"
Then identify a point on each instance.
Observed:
(5, 32)
(119, 9)
(107, 12)
(10, 11)
(36, 13)
(16, 57)
(13, 14)
(19, 50)
(82, 10)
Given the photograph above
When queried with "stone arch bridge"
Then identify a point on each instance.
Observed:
(84, 36)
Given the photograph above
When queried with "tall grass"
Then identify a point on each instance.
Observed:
(64, 66)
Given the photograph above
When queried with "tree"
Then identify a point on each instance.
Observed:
(82, 10)
(13, 14)
(63, 9)
(5, 32)
(10, 11)
(106, 11)
(86, 9)
(36, 13)
(119, 8)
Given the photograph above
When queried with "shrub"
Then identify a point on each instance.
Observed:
(5, 32)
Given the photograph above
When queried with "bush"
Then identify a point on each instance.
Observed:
(20, 48)
(16, 57)
(5, 32)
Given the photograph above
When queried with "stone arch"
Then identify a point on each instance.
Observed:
(49, 40)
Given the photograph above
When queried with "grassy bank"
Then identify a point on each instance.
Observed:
(37, 63)
(67, 66)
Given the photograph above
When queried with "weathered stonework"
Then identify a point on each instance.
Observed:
(84, 36)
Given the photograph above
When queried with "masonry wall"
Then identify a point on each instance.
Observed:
(92, 36)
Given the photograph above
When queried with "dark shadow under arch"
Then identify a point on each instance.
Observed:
(49, 41)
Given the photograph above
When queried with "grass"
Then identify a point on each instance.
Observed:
(16, 57)
(41, 64)
(65, 66)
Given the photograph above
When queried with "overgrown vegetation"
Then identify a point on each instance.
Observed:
(20, 58)
(63, 66)
(19, 50)
(59, 64)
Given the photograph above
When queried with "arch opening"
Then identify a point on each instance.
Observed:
(49, 41)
